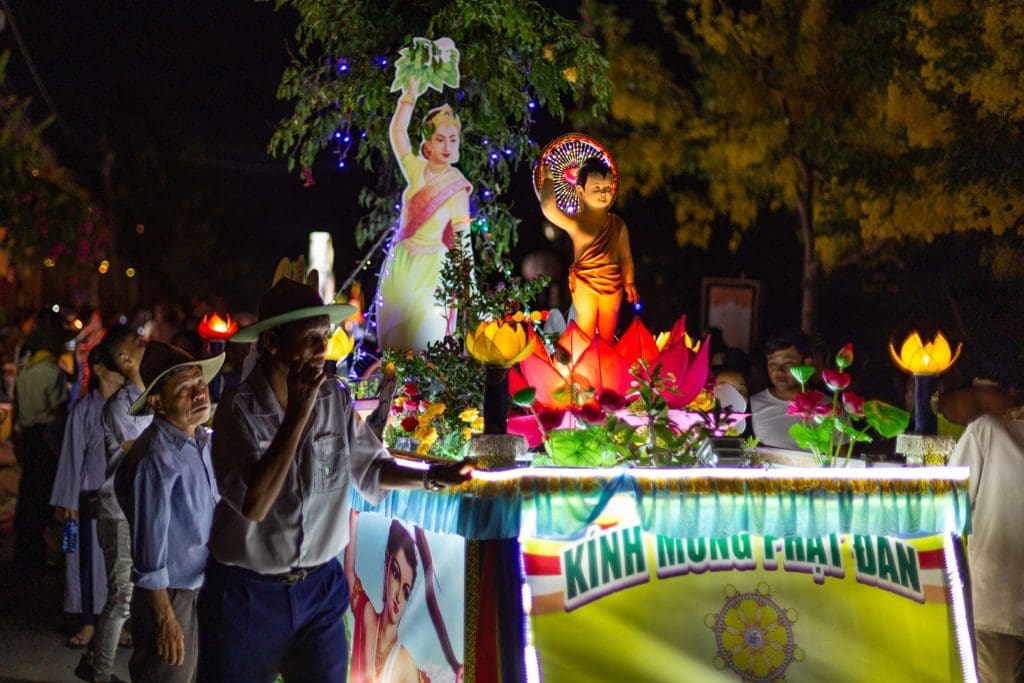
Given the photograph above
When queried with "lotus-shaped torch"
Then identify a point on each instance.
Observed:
(498, 344)
(925, 361)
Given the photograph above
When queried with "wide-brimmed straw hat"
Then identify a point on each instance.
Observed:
(160, 360)
(288, 301)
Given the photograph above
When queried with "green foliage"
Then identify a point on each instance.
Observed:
(484, 290)
(588, 447)
(46, 218)
(512, 53)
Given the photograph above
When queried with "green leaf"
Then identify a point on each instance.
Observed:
(802, 373)
(851, 432)
(888, 420)
(810, 438)
(524, 397)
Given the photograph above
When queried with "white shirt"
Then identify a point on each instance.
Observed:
(308, 523)
(770, 421)
(993, 449)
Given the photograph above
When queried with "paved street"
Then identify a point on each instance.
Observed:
(32, 626)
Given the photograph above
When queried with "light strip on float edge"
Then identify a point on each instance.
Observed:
(964, 642)
(874, 473)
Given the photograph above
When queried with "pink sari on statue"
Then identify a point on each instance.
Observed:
(408, 315)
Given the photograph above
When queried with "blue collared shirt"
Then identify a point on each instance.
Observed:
(118, 428)
(170, 491)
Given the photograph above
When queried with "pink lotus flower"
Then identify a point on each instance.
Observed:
(854, 403)
(836, 379)
(808, 405)
(594, 366)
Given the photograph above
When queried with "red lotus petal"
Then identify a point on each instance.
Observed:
(526, 427)
(590, 413)
(516, 382)
(552, 389)
(678, 331)
(600, 367)
(573, 341)
(694, 378)
(637, 343)
(550, 417)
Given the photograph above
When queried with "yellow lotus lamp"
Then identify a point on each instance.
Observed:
(925, 361)
(498, 345)
(918, 358)
(339, 346)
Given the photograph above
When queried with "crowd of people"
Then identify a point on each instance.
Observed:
(253, 516)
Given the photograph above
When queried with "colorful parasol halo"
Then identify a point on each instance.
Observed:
(565, 155)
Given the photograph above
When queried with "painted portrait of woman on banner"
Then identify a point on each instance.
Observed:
(407, 622)
(435, 203)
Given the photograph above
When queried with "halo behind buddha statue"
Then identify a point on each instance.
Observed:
(565, 155)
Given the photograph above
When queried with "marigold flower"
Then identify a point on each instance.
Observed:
(469, 414)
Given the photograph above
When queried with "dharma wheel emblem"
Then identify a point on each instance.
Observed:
(754, 635)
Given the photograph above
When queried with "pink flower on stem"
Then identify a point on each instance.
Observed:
(836, 379)
(854, 403)
(808, 405)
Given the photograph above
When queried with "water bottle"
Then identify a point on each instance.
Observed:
(69, 542)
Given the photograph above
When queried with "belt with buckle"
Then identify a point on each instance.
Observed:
(296, 574)
(290, 578)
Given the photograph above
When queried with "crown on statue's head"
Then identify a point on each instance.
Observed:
(439, 116)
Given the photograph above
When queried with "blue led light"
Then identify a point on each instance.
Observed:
(638, 307)
(531, 104)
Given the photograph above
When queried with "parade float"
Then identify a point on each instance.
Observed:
(597, 540)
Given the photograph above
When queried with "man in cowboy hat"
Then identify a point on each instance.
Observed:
(287, 445)
(167, 488)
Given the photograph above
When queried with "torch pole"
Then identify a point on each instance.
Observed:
(925, 421)
(495, 399)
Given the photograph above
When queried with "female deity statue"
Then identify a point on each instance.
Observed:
(435, 213)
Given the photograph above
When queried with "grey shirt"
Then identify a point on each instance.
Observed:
(118, 427)
(308, 523)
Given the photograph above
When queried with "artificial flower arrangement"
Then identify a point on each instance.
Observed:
(830, 426)
(444, 374)
(590, 403)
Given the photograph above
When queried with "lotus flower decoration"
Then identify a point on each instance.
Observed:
(586, 374)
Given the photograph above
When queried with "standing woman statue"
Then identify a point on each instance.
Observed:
(435, 209)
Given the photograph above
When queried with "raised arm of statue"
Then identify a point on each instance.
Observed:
(548, 205)
(399, 130)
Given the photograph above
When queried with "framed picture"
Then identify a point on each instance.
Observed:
(733, 305)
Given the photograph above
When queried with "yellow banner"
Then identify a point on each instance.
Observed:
(624, 605)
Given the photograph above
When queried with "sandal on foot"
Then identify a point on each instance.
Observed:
(77, 641)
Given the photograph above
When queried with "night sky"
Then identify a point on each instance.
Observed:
(207, 74)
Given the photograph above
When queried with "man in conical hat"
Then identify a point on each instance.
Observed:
(286, 446)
